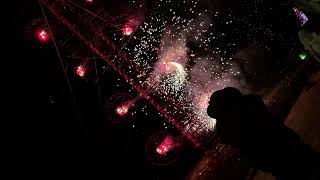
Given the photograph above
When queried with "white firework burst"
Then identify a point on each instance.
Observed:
(170, 78)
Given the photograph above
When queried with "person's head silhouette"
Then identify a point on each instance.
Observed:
(244, 122)
(224, 101)
(225, 107)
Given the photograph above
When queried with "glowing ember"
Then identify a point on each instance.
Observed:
(81, 71)
(165, 146)
(43, 35)
(171, 67)
(127, 31)
(162, 149)
(170, 77)
(122, 110)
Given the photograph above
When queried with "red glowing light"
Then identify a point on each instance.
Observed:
(127, 31)
(81, 71)
(89, 1)
(165, 146)
(162, 149)
(43, 35)
(122, 110)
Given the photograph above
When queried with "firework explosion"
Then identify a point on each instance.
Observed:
(179, 73)
(176, 57)
(171, 78)
(172, 56)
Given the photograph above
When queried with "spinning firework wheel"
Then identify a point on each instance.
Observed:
(162, 148)
(36, 29)
(117, 110)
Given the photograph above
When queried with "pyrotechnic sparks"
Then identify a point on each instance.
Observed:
(173, 58)
(43, 35)
(120, 105)
(165, 146)
(127, 31)
(81, 71)
(203, 100)
(122, 110)
(177, 72)
(171, 78)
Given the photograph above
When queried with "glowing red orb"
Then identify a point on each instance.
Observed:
(122, 110)
(127, 31)
(89, 1)
(162, 150)
(166, 145)
(43, 35)
(81, 71)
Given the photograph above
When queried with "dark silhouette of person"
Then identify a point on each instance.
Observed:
(244, 122)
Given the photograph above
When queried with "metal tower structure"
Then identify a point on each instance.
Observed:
(90, 26)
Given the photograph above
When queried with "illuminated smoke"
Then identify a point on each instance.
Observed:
(177, 71)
